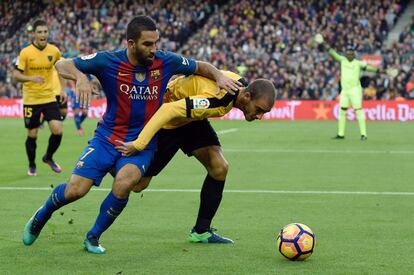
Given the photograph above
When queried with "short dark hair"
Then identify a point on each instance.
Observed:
(139, 24)
(262, 88)
(38, 23)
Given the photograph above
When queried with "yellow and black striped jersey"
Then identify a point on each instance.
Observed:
(33, 61)
(188, 98)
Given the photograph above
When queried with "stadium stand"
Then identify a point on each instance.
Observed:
(271, 39)
(82, 27)
(401, 55)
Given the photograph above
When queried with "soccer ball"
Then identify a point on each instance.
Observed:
(296, 241)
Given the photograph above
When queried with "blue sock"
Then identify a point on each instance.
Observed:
(83, 116)
(53, 203)
(78, 121)
(111, 207)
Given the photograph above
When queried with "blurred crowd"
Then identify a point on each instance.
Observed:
(401, 56)
(16, 13)
(84, 26)
(269, 38)
(273, 39)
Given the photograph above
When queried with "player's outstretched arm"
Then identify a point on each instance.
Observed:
(372, 69)
(334, 54)
(327, 45)
(223, 82)
(67, 69)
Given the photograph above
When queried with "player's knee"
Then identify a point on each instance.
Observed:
(122, 187)
(219, 171)
(63, 112)
(142, 185)
(77, 187)
(57, 131)
(56, 127)
(125, 180)
(32, 135)
(75, 191)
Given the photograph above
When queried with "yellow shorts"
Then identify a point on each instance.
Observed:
(351, 97)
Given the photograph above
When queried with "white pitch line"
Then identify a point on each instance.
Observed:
(231, 130)
(321, 151)
(360, 193)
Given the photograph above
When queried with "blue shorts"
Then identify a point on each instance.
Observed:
(100, 156)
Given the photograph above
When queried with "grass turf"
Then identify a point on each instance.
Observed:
(364, 233)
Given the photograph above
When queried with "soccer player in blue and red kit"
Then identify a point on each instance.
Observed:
(134, 81)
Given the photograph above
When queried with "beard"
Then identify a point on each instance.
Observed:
(41, 44)
(144, 60)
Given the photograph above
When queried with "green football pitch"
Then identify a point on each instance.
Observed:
(358, 198)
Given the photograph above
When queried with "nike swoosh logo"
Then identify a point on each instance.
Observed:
(122, 74)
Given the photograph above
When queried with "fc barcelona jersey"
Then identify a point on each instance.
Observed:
(134, 93)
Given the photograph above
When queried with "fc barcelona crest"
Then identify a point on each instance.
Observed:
(155, 74)
(79, 164)
(50, 58)
(140, 76)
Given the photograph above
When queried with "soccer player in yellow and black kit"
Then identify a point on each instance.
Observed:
(188, 103)
(351, 93)
(59, 89)
(34, 67)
